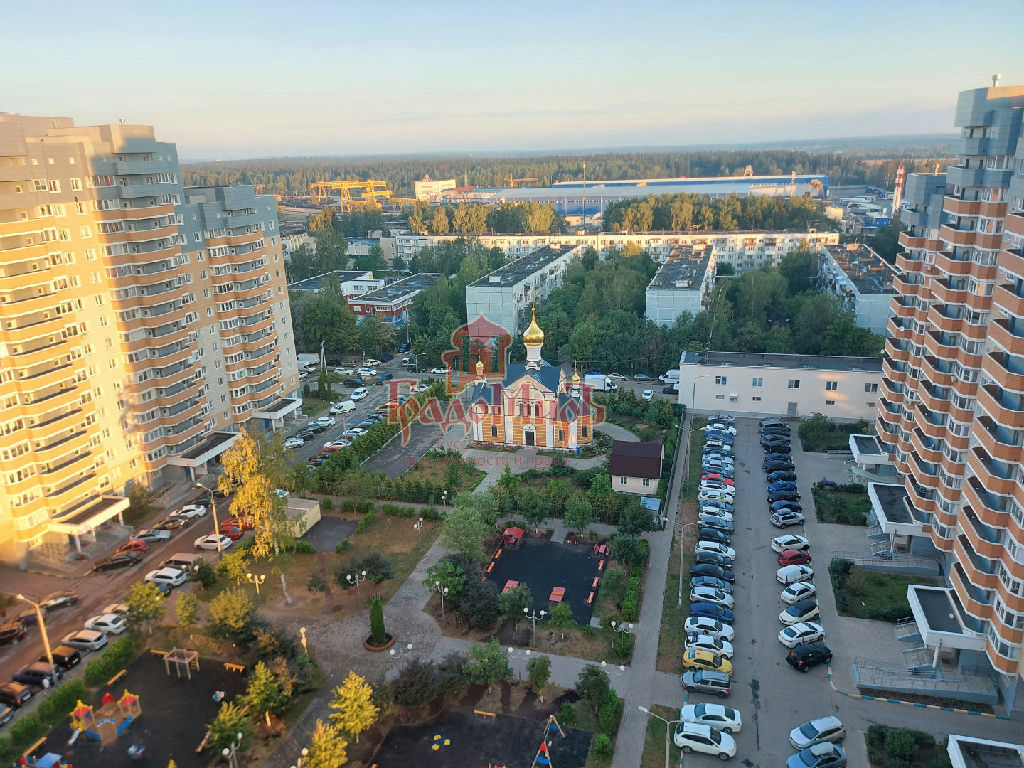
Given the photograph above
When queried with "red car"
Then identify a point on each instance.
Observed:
(718, 477)
(793, 557)
(232, 533)
(134, 545)
(234, 522)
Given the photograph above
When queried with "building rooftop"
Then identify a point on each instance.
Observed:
(867, 444)
(684, 269)
(938, 609)
(774, 360)
(635, 459)
(401, 288)
(342, 275)
(516, 271)
(868, 271)
(892, 499)
(973, 752)
(211, 442)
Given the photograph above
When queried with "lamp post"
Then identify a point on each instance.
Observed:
(231, 753)
(533, 616)
(257, 579)
(681, 527)
(357, 579)
(668, 729)
(302, 758)
(418, 525)
(621, 629)
(512, 655)
(442, 591)
(216, 527)
(391, 654)
(617, 671)
(444, 500)
(42, 625)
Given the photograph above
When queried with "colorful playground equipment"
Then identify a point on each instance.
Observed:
(112, 719)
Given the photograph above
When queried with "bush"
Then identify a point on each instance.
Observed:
(366, 522)
(316, 582)
(602, 745)
(27, 729)
(430, 513)
(326, 503)
(61, 700)
(232, 616)
(204, 573)
(609, 714)
(567, 715)
(343, 547)
(300, 547)
(117, 656)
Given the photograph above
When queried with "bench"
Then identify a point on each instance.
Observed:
(590, 600)
(594, 585)
(115, 678)
(157, 652)
(481, 713)
(231, 667)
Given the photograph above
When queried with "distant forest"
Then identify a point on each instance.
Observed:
(292, 176)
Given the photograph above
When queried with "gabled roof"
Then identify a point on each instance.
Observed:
(635, 459)
(547, 375)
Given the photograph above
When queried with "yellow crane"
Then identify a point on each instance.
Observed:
(370, 192)
(512, 181)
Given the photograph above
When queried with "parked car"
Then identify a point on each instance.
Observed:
(718, 512)
(41, 674)
(714, 546)
(233, 532)
(191, 511)
(294, 442)
(110, 623)
(11, 632)
(709, 643)
(354, 382)
(703, 556)
(85, 640)
(366, 371)
(439, 371)
(700, 658)
(705, 625)
(343, 370)
(713, 534)
(325, 421)
(712, 595)
(171, 523)
(695, 737)
(6, 715)
(64, 656)
(711, 611)
(712, 582)
(803, 610)
(359, 394)
(807, 655)
(782, 485)
(215, 542)
(647, 394)
(786, 517)
(777, 448)
(14, 694)
(792, 573)
(790, 541)
(133, 545)
(56, 600)
(172, 577)
(817, 731)
(791, 496)
(717, 477)
(797, 591)
(118, 560)
(669, 390)
(712, 521)
(706, 681)
(793, 557)
(782, 474)
(641, 377)
(118, 608)
(826, 755)
(725, 719)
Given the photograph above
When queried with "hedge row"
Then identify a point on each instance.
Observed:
(394, 510)
(631, 601)
(113, 660)
(54, 708)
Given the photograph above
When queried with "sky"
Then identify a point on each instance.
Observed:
(227, 79)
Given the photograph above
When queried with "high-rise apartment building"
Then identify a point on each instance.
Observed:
(141, 324)
(951, 411)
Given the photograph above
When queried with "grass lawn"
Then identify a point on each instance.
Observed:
(671, 638)
(890, 747)
(436, 470)
(313, 406)
(585, 720)
(696, 454)
(654, 741)
(843, 507)
(866, 594)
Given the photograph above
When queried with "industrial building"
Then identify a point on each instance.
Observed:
(589, 198)
(682, 284)
(951, 408)
(503, 295)
(143, 324)
(742, 250)
(861, 280)
(430, 190)
(391, 303)
(769, 384)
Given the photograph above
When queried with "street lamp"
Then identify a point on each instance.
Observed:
(418, 525)
(442, 591)
(356, 579)
(302, 758)
(512, 655)
(231, 753)
(668, 729)
(444, 499)
(681, 527)
(391, 654)
(621, 629)
(533, 617)
(257, 579)
(620, 669)
(42, 626)
(213, 507)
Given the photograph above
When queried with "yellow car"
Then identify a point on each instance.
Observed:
(699, 658)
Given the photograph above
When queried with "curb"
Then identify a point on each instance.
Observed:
(917, 704)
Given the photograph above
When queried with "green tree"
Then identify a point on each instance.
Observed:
(264, 693)
(327, 749)
(188, 611)
(229, 722)
(145, 605)
(439, 222)
(487, 663)
(447, 574)
(232, 614)
(465, 530)
(560, 618)
(233, 565)
(354, 709)
(800, 270)
(593, 686)
(378, 634)
(512, 602)
(139, 505)
(538, 670)
(373, 261)
(815, 429)
(375, 336)
(579, 513)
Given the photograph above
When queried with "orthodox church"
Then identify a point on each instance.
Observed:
(532, 405)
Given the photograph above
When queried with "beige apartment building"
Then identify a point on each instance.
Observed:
(141, 324)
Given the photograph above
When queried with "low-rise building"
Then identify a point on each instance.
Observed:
(352, 282)
(635, 467)
(752, 383)
(682, 284)
(430, 190)
(861, 280)
(291, 242)
(391, 303)
(503, 295)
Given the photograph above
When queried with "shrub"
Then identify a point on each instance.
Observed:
(430, 513)
(378, 635)
(567, 715)
(27, 729)
(326, 503)
(609, 714)
(232, 615)
(343, 547)
(300, 547)
(61, 700)
(602, 744)
(378, 568)
(366, 522)
(316, 582)
(203, 573)
(115, 658)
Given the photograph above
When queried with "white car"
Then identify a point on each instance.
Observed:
(337, 444)
(359, 394)
(727, 429)
(282, 493)
(372, 362)
(421, 387)
(210, 541)
(325, 421)
(439, 371)
(790, 541)
(803, 632)
(354, 432)
(618, 376)
(695, 737)
(111, 623)
(712, 595)
(294, 442)
(152, 534)
(716, 715)
(343, 371)
(828, 728)
(803, 611)
(647, 394)
(85, 640)
(364, 371)
(714, 546)
(703, 625)
(714, 494)
(708, 643)
(790, 574)
(796, 591)
(121, 608)
(169, 576)
(191, 511)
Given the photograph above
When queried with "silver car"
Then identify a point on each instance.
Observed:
(85, 640)
(829, 728)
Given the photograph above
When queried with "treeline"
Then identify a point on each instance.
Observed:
(475, 219)
(292, 176)
(329, 230)
(682, 211)
(326, 317)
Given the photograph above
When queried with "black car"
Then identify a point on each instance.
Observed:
(778, 449)
(669, 390)
(713, 534)
(39, 674)
(6, 715)
(783, 496)
(354, 383)
(56, 600)
(122, 560)
(713, 558)
(386, 358)
(774, 466)
(775, 506)
(14, 694)
(782, 474)
(64, 656)
(707, 569)
(11, 632)
(778, 457)
(807, 655)
(171, 523)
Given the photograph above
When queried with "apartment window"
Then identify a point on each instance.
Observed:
(494, 431)
(831, 386)
(622, 480)
(871, 388)
(584, 431)
(561, 435)
(76, 185)
(647, 482)
(793, 384)
(830, 402)
(756, 398)
(720, 380)
(757, 381)
(719, 397)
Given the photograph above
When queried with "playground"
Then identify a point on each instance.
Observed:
(464, 737)
(163, 713)
(554, 572)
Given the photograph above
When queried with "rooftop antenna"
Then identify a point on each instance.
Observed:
(995, 80)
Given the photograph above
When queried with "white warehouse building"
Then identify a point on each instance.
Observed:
(682, 284)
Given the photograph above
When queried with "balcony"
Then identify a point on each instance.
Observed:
(928, 448)
(901, 308)
(999, 442)
(985, 539)
(905, 288)
(989, 507)
(924, 473)
(891, 391)
(1012, 260)
(948, 292)
(1011, 299)
(958, 207)
(897, 350)
(936, 370)
(995, 476)
(949, 264)
(898, 329)
(1005, 407)
(967, 236)
(1008, 334)
(964, 176)
(980, 571)
(894, 370)
(974, 601)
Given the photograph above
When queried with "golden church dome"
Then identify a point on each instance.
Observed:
(575, 377)
(533, 335)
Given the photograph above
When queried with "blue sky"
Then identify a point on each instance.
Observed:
(228, 79)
